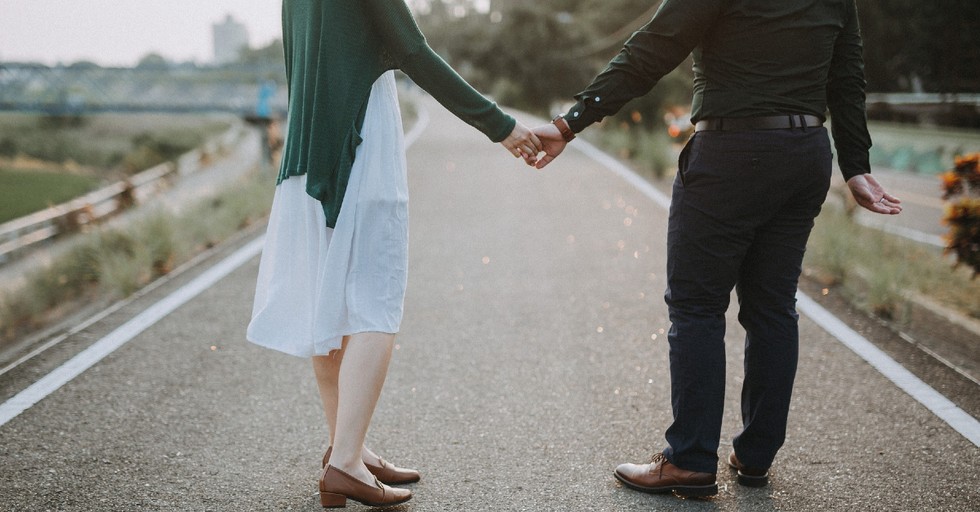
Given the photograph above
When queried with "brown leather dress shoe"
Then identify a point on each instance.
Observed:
(336, 487)
(660, 476)
(387, 473)
(749, 477)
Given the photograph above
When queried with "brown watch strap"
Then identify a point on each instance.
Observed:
(562, 125)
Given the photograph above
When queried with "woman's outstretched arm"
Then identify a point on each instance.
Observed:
(411, 53)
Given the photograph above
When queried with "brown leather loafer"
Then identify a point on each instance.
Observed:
(749, 477)
(336, 487)
(660, 476)
(387, 473)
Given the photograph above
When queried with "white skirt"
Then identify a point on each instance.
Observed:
(316, 284)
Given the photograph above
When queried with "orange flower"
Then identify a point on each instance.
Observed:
(952, 184)
(963, 215)
(969, 160)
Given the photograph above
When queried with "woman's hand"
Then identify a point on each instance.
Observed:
(523, 143)
(872, 196)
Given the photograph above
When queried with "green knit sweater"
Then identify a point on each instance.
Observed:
(335, 50)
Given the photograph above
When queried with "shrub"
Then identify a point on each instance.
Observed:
(647, 149)
(961, 188)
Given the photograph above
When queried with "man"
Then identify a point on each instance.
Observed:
(749, 184)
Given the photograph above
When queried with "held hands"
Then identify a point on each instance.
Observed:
(526, 144)
(523, 143)
(552, 142)
(872, 196)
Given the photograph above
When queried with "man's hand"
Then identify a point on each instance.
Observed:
(872, 196)
(523, 143)
(552, 143)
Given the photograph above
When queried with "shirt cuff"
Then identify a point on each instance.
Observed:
(574, 117)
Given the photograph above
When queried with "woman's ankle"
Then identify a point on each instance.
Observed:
(356, 470)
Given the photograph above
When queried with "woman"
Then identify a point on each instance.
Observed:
(332, 278)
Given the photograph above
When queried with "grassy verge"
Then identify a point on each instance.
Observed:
(47, 160)
(104, 143)
(25, 192)
(647, 150)
(109, 264)
(877, 271)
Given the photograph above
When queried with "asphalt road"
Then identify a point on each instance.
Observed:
(531, 362)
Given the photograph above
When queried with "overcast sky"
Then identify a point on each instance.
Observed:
(119, 32)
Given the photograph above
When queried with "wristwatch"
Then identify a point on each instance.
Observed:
(562, 125)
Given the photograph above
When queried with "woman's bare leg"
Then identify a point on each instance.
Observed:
(362, 372)
(327, 371)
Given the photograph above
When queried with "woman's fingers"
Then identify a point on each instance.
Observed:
(536, 142)
(523, 143)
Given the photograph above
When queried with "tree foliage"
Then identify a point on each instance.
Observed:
(912, 46)
(531, 55)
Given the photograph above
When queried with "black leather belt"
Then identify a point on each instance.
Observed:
(783, 122)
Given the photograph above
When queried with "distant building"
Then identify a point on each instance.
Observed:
(230, 38)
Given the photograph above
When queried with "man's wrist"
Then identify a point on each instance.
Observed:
(566, 131)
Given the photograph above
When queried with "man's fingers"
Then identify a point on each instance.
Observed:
(892, 198)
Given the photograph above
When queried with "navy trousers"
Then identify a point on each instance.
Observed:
(742, 209)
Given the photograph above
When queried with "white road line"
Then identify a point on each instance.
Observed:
(143, 321)
(624, 172)
(126, 332)
(957, 418)
(941, 406)
(911, 234)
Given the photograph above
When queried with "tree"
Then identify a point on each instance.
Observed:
(153, 61)
(910, 45)
(268, 55)
(532, 54)
(84, 65)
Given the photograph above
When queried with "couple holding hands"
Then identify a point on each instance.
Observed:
(750, 182)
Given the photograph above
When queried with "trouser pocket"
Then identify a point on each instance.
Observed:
(684, 158)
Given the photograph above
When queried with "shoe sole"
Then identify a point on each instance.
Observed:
(752, 481)
(749, 480)
(334, 500)
(686, 491)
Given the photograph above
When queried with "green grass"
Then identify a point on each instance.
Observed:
(96, 149)
(25, 192)
(127, 143)
(112, 263)
(877, 271)
(647, 150)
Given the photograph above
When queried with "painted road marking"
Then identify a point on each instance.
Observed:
(126, 332)
(957, 418)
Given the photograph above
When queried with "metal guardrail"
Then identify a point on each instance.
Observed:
(924, 98)
(20, 235)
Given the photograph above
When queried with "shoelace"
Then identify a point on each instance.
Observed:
(658, 460)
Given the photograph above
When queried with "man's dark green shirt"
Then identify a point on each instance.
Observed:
(751, 58)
